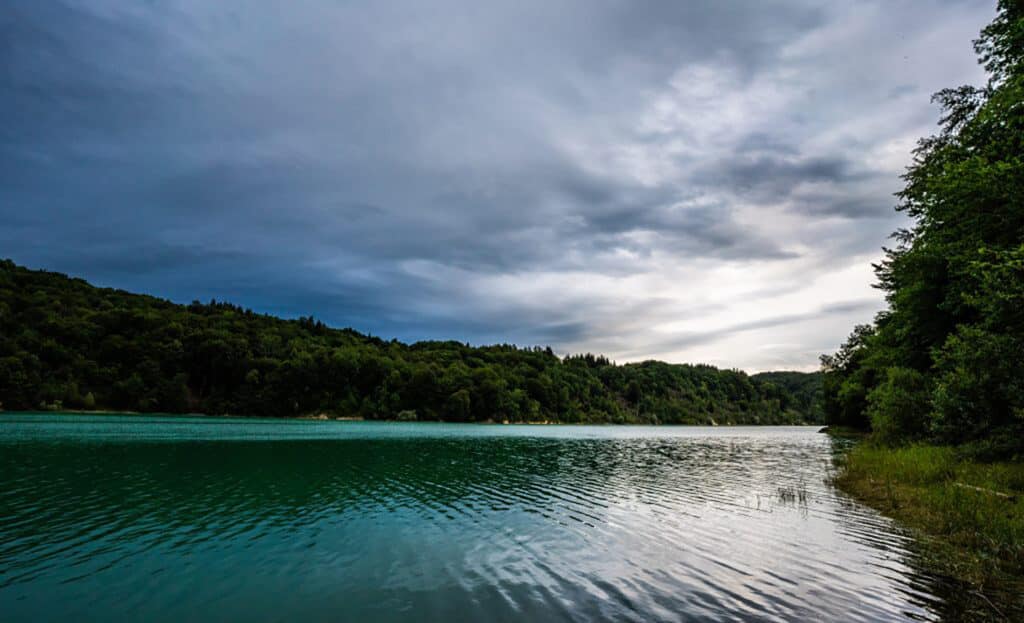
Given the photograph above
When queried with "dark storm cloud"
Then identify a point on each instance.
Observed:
(770, 176)
(837, 184)
(393, 166)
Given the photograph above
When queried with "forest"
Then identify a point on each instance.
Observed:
(942, 364)
(67, 345)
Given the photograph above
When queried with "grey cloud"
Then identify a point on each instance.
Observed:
(762, 142)
(773, 178)
(298, 159)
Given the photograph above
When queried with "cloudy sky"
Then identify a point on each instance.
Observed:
(694, 181)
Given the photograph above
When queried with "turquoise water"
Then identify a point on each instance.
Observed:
(141, 518)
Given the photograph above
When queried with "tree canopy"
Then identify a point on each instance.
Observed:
(66, 344)
(943, 362)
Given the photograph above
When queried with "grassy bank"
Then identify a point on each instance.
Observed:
(969, 518)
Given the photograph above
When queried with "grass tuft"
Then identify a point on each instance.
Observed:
(970, 515)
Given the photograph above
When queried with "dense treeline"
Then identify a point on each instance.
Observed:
(944, 362)
(67, 344)
(801, 391)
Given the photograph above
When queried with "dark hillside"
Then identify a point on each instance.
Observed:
(65, 344)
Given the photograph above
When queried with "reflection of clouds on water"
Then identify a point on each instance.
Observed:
(371, 520)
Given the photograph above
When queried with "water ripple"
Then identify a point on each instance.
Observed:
(165, 519)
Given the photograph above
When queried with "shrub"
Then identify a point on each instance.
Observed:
(900, 406)
(980, 387)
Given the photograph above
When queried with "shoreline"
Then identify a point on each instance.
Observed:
(966, 517)
(323, 417)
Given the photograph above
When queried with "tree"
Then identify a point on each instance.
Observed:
(457, 407)
(848, 378)
(900, 406)
(141, 353)
(980, 386)
(953, 326)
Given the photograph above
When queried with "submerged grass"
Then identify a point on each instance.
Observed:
(969, 517)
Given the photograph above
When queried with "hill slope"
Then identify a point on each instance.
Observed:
(67, 344)
(804, 387)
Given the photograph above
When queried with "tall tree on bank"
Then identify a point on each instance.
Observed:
(944, 361)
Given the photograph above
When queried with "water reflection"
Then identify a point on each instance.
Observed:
(105, 519)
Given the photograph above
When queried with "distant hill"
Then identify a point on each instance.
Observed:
(65, 344)
(805, 388)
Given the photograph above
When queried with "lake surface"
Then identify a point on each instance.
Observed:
(113, 518)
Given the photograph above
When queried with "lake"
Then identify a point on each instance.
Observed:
(160, 518)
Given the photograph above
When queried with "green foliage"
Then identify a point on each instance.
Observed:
(64, 342)
(980, 386)
(794, 390)
(955, 280)
(847, 381)
(973, 512)
(898, 407)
